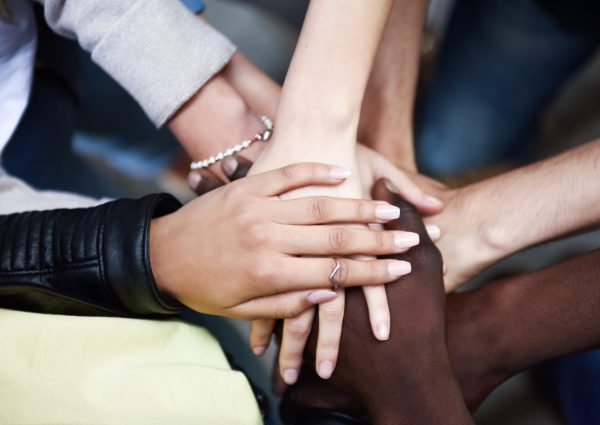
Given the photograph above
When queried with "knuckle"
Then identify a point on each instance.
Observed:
(342, 277)
(339, 239)
(263, 271)
(288, 172)
(298, 329)
(331, 312)
(381, 241)
(363, 210)
(254, 236)
(319, 209)
(290, 311)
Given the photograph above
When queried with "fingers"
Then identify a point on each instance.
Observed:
(294, 176)
(203, 181)
(322, 210)
(261, 332)
(379, 311)
(410, 218)
(342, 240)
(331, 316)
(293, 273)
(295, 334)
(281, 306)
(235, 167)
(403, 185)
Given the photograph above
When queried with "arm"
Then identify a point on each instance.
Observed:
(386, 122)
(553, 197)
(138, 257)
(317, 120)
(530, 318)
(408, 379)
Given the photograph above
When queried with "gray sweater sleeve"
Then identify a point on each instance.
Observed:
(156, 49)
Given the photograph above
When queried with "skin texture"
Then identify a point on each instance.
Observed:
(317, 119)
(275, 245)
(386, 122)
(421, 387)
(496, 332)
(481, 219)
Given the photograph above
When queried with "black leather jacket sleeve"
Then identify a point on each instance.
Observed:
(88, 261)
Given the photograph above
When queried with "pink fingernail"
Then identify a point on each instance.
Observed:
(259, 350)
(339, 173)
(383, 331)
(325, 369)
(194, 180)
(432, 201)
(321, 296)
(398, 268)
(433, 231)
(406, 239)
(230, 164)
(290, 376)
(387, 212)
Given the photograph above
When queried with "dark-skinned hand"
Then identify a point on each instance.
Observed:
(409, 378)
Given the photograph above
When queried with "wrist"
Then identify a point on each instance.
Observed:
(214, 119)
(161, 260)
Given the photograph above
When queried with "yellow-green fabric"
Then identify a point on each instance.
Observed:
(89, 370)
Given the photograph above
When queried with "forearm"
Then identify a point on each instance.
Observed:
(553, 198)
(386, 122)
(326, 81)
(546, 314)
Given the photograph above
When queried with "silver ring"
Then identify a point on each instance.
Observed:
(332, 276)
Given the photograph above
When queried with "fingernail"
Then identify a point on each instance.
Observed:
(194, 180)
(399, 268)
(383, 331)
(406, 239)
(339, 173)
(390, 186)
(433, 231)
(432, 201)
(387, 212)
(229, 165)
(321, 296)
(259, 350)
(290, 376)
(326, 369)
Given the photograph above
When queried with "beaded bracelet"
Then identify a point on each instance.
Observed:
(264, 136)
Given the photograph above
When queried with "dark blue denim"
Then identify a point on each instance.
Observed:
(501, 63)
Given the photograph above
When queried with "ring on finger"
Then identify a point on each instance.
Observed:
(333, 275)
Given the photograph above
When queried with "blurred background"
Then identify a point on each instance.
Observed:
(503, 83)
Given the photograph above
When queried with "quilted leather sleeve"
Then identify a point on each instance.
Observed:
(86, 261)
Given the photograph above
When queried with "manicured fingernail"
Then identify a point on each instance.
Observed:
(326, 369)
(390, 186)
(339, 173)
(433, 231)
(321, 296)
(259, 350)
(406, 239)
(290, 376)
(229, 165)
(194, 180)
(383, 332)
(399, 268)
(387, 212)
(432, 201)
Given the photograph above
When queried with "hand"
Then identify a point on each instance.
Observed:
(295, 331)
(223, 113)
(237, 250)
(465, 245)
(420, 387)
